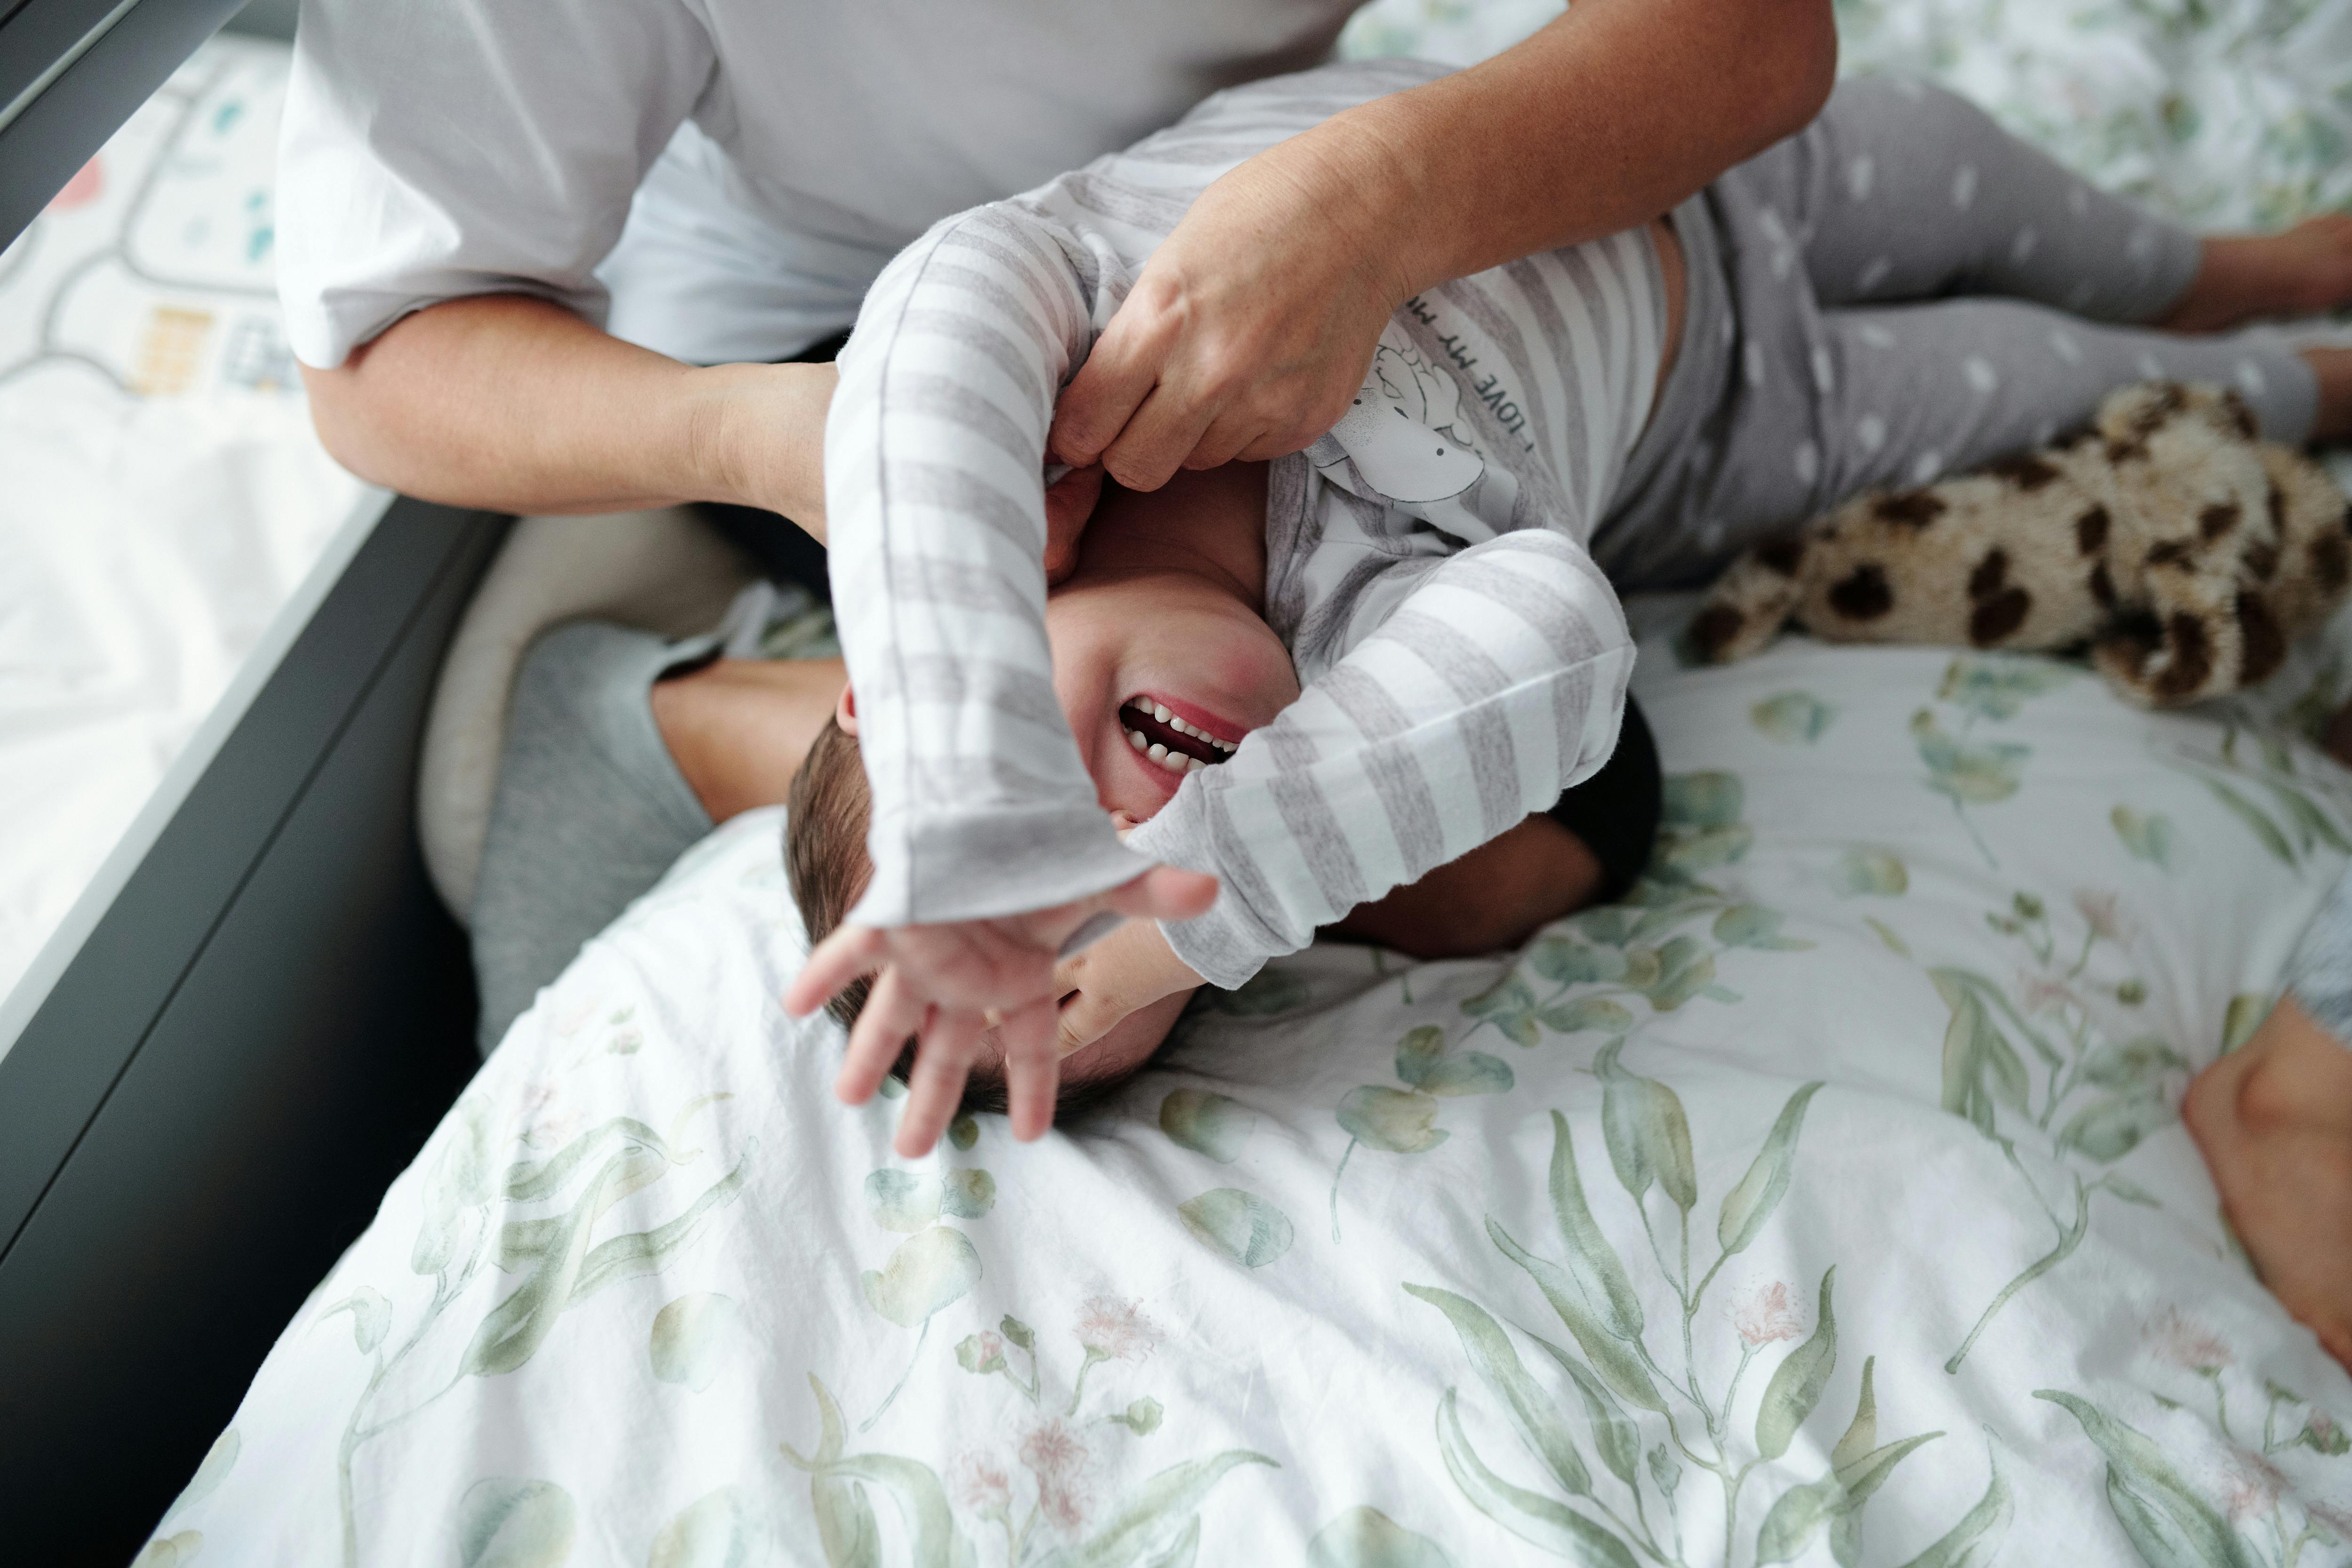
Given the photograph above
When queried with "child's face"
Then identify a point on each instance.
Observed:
(1162, 659)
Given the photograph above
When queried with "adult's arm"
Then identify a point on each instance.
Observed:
(451, 173)
(514, 402)
(1253, 324)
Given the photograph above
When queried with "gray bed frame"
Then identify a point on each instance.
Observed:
(202, 1101)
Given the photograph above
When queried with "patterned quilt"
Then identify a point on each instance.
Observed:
(1825, 1202)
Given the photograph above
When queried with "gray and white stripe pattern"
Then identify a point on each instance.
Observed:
(1464, 661)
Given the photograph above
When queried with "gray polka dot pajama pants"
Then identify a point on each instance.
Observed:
(1901, 290)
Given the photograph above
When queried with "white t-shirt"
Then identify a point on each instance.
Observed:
(440, 148)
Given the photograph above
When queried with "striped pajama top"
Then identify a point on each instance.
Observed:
(1462, 658)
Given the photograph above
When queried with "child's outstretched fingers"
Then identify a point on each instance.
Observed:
(935, 1088)
(849, 952)
(1032, 1069)
(892, 1014)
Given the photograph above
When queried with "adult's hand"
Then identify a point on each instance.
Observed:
(1252, 325)
(1248, 330)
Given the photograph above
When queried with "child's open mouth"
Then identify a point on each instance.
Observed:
(1168, 739)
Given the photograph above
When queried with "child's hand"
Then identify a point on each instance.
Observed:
(1124, 972)
(1069, 505)
(944, 983)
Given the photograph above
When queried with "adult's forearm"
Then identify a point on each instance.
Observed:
(511, 403)
(1606, 118)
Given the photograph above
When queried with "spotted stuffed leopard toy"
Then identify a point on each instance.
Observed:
(2186, 553)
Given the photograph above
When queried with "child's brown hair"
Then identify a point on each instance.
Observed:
(826, 867)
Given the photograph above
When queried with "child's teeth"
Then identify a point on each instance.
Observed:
(1193, 764)
(1160, 712)
(1158, 754)
(1135, 738)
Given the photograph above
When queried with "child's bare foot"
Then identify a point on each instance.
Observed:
(2274, 1121)
(2331, 418)
(2303, 272)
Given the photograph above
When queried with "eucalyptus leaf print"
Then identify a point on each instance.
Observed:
(1404, 1120)
(2169, 1522)
(2000, 687)
(1796, 1382)
(2244, 1015)
(371, 1316)
(1241, 1226)
(930, 1269)
(967, 1195)
(1748, 1206)
(214, 1468)
(1163, 1509)
(2073, 1092)
(1542, 1425)
(2294, 812)
(1207, 1122)
(1793, 717)
(1364, 1537)
(1270, 992)
(171, 1550)
(2148, 837)
(562, 1262)
(1866, 871)
(933, 1538)
(1977, 1539)
(721, 1529)
(1537, 1520)
(511, 1524)
(1968, 772)
(690, 1338)
(1644, 1417)
(902, 1200)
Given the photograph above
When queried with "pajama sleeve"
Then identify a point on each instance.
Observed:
(934, 462)
(1498, 681)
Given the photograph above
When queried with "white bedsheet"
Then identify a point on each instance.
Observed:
(1825, 1204)
(160, 490)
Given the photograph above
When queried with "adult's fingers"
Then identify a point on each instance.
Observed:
(1119, 374)
(891, 1015)
(1226, 438)
(1159, 436)
(1031, 1069)
(849, 952)
(936, 1087)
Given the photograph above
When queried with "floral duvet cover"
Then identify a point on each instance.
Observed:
(1825, 1203)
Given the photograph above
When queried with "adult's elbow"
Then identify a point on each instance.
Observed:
(339, 413)
(1792, 65)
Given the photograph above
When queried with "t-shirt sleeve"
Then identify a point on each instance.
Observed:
(432, 149)
(934, 463)
(1498, 681)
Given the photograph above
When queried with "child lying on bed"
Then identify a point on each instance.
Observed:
(1898, 290)
(1165, 599)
